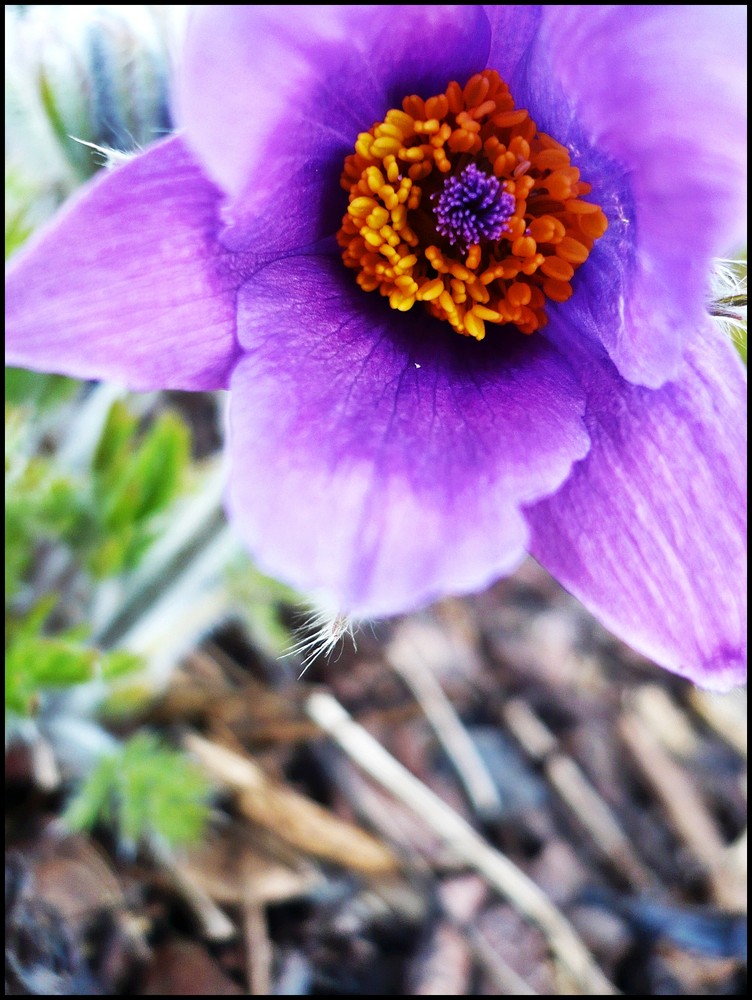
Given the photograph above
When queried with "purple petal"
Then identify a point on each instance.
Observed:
(514, 29)
(273, 99)
(649, 531)
(128, 282)
(379, 457)
(660, 92)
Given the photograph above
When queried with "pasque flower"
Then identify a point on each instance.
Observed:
(453, 265)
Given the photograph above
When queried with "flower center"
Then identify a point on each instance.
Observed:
(460, 203)
(471, 207)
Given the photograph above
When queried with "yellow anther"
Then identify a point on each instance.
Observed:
(378, 217)
(459, 293)
(406, 263)
(401, 120)
(431, 290)
(389, 128)
(412, 155)
(475, 326)
(372, 238)
(390, 236)
(478, 291)
(374, 179)
(399, 216)
(364, 143)
(384, 145)
(492, 315)
(398, 300)
(392, 168)
(406, 284)
(361, 207)
(388, 196)
(447, 303)
(442, 162)
(428, 127)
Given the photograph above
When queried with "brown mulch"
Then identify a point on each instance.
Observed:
(617, 788)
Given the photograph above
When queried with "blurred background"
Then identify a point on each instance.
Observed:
(214, 789)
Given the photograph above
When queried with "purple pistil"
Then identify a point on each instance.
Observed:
(472, 206)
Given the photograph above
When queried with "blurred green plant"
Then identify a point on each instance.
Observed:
(36, 663)
(32, 390)
(134, 478)
(84, 85)
(65, 531)
(78, 77)
(142, 790)
(263, 604)
(105, 517)
(69, 529)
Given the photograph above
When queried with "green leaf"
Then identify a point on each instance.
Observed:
(31, 624)
(161, 461)
(39, 505)
(119, 663)
(112, 450)
(134, 481)
(37, 663)
(108, 557)
(143, 789)
(43, 392)
(92, 801)
(263, 604)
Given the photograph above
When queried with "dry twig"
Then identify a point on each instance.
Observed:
(685, 810)
(584, 802)
(464, 841)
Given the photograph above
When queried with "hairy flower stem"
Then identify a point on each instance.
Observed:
(733, 307)
(191, 570)
(180, 607)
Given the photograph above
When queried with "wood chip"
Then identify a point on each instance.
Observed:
(292, 817)
(230, 869)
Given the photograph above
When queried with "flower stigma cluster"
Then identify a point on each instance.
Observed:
(460, 203)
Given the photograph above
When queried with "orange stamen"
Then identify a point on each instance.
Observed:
(398, 169)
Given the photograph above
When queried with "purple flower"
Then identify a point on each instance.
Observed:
(376, 454)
